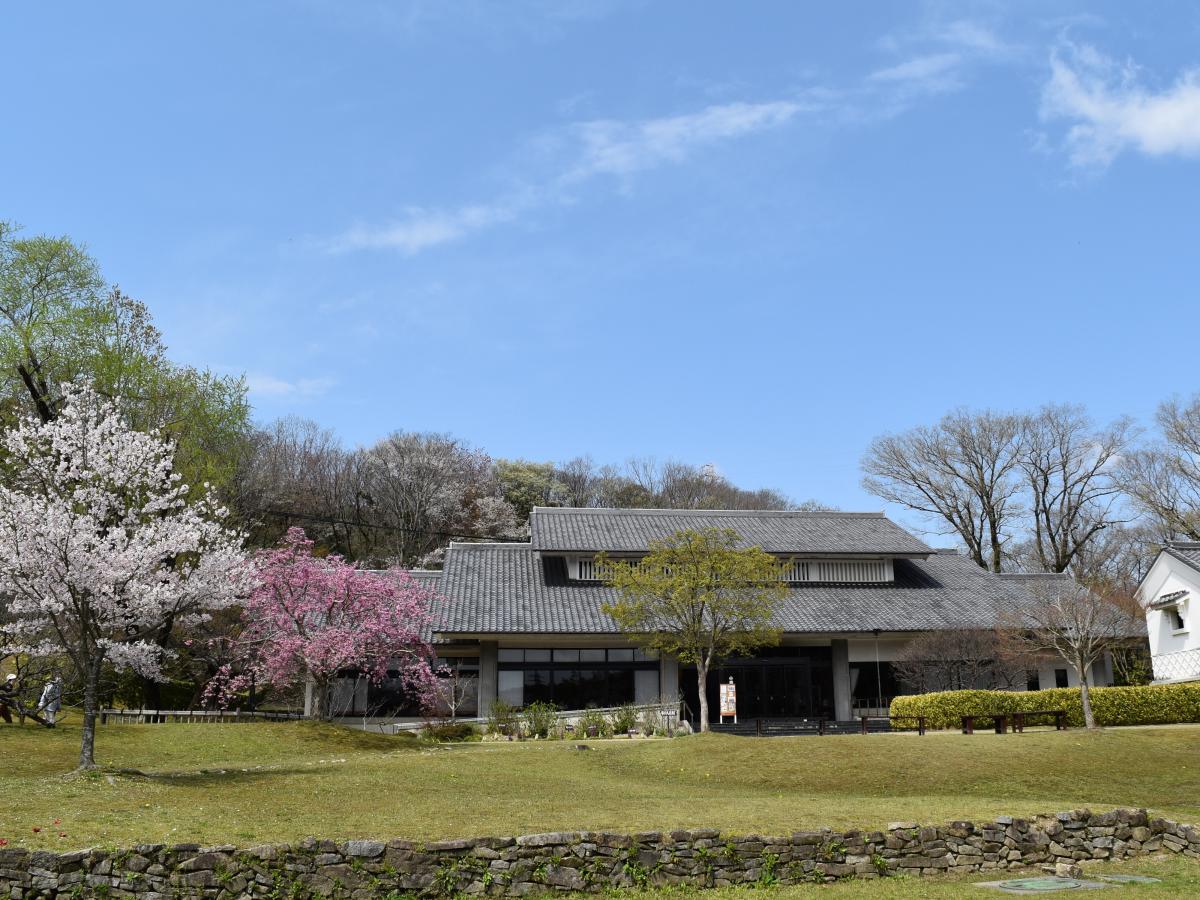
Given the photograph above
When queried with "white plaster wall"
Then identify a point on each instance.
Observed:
(1101, 673)
(863, 650)
(1167, 576)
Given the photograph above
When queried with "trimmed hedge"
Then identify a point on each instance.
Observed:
(1161, 704)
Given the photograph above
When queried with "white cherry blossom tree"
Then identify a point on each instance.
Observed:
(100, 547)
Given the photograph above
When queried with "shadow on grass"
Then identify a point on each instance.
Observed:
(213, 777)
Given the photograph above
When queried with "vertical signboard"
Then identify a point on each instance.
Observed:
(729, 700)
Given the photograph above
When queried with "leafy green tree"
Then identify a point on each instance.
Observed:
(60, 322)
(526, 484)
(698, 596)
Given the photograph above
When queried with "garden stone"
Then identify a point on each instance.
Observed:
(365, 849)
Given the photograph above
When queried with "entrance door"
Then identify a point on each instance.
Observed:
(783, 683)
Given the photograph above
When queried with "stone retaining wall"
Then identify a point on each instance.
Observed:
(583, 861)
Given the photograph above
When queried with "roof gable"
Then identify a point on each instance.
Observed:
(1178, 558)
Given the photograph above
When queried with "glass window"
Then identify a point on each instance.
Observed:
(594, 688)
(537, 656)
(591, 655)
(462, 663)
(620, 686)
(512, 688)
(567, 688)
(538, 686)
(504, 654)
(643, 655)
(645, 686)
(871, 685)
(1060, 678)
(620, 655)
(566, 656)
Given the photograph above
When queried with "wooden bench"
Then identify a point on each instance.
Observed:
(1000, 719)
(1059, 716)
(1018, 720)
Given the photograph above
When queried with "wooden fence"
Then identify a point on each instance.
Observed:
(191, 716)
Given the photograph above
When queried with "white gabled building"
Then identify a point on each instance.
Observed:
(1170, 593)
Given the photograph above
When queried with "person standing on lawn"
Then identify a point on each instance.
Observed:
(8, 697)
(51, 701)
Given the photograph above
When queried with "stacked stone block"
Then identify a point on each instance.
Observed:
(586, 861)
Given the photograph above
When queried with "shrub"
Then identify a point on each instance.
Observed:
(624, 719)
(450, 731)
(1160, 704)
(593, 718)
(652, 721)
(539, 718)
(502, 719)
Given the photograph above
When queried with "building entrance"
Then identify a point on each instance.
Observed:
(780, 683)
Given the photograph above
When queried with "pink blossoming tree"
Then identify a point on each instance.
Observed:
(310, 618)
(101, 549)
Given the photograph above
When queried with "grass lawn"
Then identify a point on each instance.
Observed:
(246, 784)
(1180, 877)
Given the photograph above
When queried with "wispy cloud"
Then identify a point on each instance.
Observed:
(935, 58)
(271, 386)
(935, 69)
(594, 150)
(419, 229)
(1112, 111)
(588, 150)
(613, 147)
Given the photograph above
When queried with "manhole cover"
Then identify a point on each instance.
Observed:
(1129, 879)
(1050, 883)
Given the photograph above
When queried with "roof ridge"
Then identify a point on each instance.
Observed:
(647, 511)
(1031, 575)
(525, 545)
(1184, 545)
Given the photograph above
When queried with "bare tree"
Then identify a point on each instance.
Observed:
(429, 488)
(1068, 466)
(1074, 622)
(297, 467)
(580, 482)
(957, 660)
(1163, 480)
(455, 689)
(961, 473)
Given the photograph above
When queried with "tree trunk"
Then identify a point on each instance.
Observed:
(702, 681)
(151, 693)
(91, 712)
(37, 392)
(323, 707)
(1085, 696)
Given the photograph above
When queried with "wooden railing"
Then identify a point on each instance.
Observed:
(191, 716)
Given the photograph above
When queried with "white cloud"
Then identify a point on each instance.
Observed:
(419, 229)
(1113, 111)
(612, 147)
(597, 149)
(270, 386)
(921, 68)
(586, 150)
(973, 36)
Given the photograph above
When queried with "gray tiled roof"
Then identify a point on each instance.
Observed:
(509, 588)
(791, 531)
(1185, 551)
(427, 578)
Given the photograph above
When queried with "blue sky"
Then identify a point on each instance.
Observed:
(754, 235)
